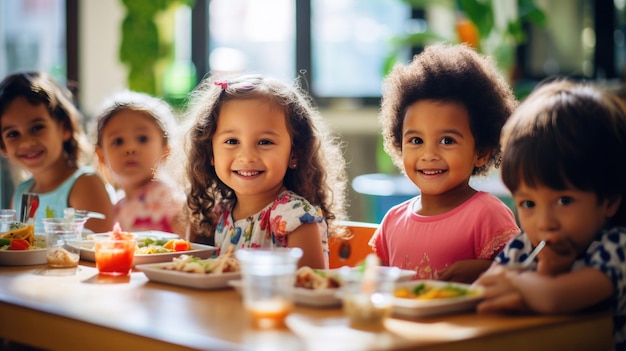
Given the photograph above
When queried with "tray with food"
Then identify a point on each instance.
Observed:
(152, 247)
(194, 272)
(320, 287)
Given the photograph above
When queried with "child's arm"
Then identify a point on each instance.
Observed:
(307, 237)
(509, 290)
(464, 271)
(89, 193)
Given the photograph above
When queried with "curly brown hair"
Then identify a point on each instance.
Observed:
(449, 73)
(319, 177)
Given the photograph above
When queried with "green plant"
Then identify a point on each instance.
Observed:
(495, 28)
(142, 47)
(498, 23)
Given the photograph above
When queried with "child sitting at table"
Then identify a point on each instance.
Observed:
(42, 133)
(263, 169)
(134, 133)
(565, 165)
(441, 117)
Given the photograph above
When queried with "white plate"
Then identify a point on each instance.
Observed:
(157, 273)
(142, 234)
(306, 297)
(324, 297)
(22, 257)
(424, 308)
(405, 274)
(198, 250)
(25, 257)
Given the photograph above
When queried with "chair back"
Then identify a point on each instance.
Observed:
(352, 251)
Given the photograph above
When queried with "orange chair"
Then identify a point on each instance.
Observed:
(352, 251)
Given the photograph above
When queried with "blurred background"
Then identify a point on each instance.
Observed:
(340, 50)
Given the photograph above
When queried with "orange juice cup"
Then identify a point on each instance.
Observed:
(268, 276)
(115, 256)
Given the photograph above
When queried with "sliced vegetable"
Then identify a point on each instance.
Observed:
(177, 245)
(19, 244)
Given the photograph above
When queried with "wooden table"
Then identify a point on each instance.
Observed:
(78, 309)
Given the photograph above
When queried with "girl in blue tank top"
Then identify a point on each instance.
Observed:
(41, 132)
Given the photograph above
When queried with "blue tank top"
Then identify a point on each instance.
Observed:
(53, 203)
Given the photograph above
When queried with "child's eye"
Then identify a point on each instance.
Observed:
(265, 142)
(11, 134)
(36, 128)
(565, 200)
(447, 140)
(526, 204)
(416, 140)
(117, 141)
(231, 141)
(143, 139)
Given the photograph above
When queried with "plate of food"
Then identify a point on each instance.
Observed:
(155, 234)
(194, 272)
(320, 287)
(423, 298)
(19, 246)
(152, 250)
(313, 287)
(32, 256)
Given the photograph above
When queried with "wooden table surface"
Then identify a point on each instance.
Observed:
(78, 309)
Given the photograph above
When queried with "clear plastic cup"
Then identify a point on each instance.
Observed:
(6, 217)
(367, 297)
(63, 241)
(268, 277)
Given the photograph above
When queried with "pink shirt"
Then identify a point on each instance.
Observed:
(153, 209)
(477, 229)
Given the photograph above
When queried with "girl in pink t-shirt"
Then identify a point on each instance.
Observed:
(441, 117)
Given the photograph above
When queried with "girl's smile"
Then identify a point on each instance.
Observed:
(33, 139)
(248, 174)
(252, 148)
(439, 153)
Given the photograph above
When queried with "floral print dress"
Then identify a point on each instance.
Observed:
(270, 226)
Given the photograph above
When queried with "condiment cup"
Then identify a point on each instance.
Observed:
(268, 277)
(367, 295)
(115, 255)
(63, 241)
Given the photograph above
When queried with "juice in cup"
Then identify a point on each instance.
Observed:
(268, 276)
(269, 313)
(115, 254)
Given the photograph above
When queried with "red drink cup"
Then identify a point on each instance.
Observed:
(115, 256)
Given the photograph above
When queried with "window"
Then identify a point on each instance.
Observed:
(252, 36)
(350, 42)
(32, 37)
(338, 46)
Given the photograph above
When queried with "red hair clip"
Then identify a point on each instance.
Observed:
(222, 84)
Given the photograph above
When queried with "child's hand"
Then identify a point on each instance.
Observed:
(500, 292)
(464, 271)
(556, 259)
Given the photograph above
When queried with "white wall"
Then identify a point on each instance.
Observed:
(101, 73)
